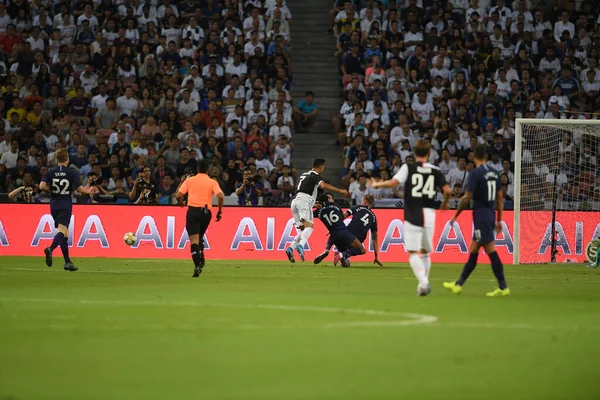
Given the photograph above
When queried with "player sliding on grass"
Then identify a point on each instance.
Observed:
(332, 217)
(485, 189)
(302, 205)
(61, 182)
(421, 181)
(363, 220)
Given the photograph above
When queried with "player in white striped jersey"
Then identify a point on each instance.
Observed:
(308, 186)
(421, 181)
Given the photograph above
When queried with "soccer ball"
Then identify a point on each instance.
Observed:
(130, 238)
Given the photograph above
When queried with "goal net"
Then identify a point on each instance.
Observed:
(556, 189)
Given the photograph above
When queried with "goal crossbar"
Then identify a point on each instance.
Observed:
(519, 122)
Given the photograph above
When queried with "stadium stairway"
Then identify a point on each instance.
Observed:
(315, 68)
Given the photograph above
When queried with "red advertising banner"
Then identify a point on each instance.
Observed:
(264, 233)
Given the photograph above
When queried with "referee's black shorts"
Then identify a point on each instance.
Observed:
(197, 221)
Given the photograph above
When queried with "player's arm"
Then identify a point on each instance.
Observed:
(375, 241)
(465, 201)
(463, 204)
(390, 183)
(500, 209)
(349, 212)
(398, 179)
(327, 186)
(447, 192)
(44, 186)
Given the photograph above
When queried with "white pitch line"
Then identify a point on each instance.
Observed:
(324, 275)
(509, 326)
(407, 319)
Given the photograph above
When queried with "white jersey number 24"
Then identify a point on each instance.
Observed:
(422, 186)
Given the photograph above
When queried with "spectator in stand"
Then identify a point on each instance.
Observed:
(453, 83)
(305, 113)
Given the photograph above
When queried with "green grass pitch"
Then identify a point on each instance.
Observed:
(144, 329)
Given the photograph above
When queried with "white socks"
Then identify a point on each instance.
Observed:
(418, 268)
(305, 235)
(297, 239)
(427, 263)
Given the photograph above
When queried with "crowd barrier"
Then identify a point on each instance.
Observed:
(263, 234)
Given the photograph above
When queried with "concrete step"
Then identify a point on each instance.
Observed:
(315, 48)
(316, 69)
(318, 79)
(313, 37)
(321, 70)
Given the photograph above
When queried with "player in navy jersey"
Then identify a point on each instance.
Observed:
(302, 205)
(485, 189)
(61, 182)
(363, 221)
(332, 217)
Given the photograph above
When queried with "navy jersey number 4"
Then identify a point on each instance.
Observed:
(363, 220)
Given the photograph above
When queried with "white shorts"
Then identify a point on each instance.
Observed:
(302, 211)
(420, 237)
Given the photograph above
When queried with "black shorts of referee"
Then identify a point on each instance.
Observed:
(197, 220)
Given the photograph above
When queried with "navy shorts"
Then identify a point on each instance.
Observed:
(484, 232)
(61, 216)
(342, 239)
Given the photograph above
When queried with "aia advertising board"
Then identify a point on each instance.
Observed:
(264, 233)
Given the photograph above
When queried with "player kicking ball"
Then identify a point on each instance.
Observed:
(61, 182)
(332, 217)
(363, 221)
(302, 205)
(421, 181)
(485, 189)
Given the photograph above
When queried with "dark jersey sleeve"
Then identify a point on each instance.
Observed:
(472, 181)
(47, 177)
(76, 180)
(352, 210)
(374, 226)
(317, 213)
(440, 179)
(318, 180)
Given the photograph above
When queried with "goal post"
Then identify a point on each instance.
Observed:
(555, 163)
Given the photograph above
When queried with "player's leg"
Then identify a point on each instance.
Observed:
(498, 269)
(427, 245)
(355, 248)
(325, 253)
(413, 238)
(469, 267)
(64, 245)
(62, 219)
(426, 259)
(299, 227)
(306, 217)
(471, 263)
(57, 240)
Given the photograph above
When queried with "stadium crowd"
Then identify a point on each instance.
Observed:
(137, 91)
(458, 73)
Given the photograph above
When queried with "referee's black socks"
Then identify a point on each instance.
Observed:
(196, 254)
